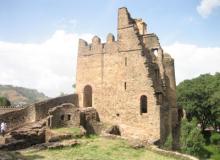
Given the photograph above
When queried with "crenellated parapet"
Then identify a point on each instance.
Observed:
(96, 47)
(111, 46)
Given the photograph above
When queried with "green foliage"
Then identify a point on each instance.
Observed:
(4, 101)
(69, 130)
(168, 143)
(215, 151)
(215, 138)
(192, 141)
(200, 97)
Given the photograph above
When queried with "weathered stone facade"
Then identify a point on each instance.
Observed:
(130, 81)
(65, 115)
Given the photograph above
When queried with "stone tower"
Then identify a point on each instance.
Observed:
(130, 81)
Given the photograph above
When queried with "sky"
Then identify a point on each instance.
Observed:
(39, 39)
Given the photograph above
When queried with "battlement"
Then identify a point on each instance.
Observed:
(97, 47)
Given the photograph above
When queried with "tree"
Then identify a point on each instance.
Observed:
(192, 141)
(200, 97)
(4, 101)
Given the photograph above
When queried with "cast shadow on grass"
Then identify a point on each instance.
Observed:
(17, 155)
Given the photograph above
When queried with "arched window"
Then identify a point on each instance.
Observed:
(87, 96)
(143, 104)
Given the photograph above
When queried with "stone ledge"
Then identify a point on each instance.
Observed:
(171, 153)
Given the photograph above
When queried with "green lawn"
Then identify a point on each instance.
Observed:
(95, 148)
(215, 152)
(74, 131)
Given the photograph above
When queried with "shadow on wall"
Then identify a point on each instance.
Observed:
(89, 119)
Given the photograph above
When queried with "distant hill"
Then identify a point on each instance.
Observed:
(20, 95)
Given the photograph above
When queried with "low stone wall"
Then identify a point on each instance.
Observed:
(5, 110)
(42, 108)
(178, 155)
(19, 117)
(35, 112)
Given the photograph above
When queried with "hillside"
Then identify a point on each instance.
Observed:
(20, 95)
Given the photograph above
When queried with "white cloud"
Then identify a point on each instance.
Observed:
(48, 67)
(206, 7)
(191, 60)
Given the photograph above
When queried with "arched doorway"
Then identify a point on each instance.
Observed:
(143, 104)
(87, 96)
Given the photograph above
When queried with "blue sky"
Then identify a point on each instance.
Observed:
(172, 20)
(39, 38)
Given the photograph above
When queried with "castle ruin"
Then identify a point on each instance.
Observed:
(130, 81)
(127, 85)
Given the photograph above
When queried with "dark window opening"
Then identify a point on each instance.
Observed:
(125, 85)
(117, 114)
(159, 96)
(49, 122)
(62, 117)
(68, 117)
(125, 61)
(143, 104)
(87, 96)
(157, 74)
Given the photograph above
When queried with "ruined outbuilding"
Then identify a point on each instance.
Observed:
(130, 81)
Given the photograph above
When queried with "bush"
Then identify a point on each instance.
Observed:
(192, 141)
(215, 138)
(168, 143)
(4, 101)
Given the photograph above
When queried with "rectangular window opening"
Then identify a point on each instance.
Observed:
(125, 85)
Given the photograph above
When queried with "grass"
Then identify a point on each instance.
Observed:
(214, 150)
(74, 131)
(95, 148)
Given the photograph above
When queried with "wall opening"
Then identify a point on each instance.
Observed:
(157, 74)
(87, 96)
(125, 61)
(125, 85)
(62, 117)
(155, 51)
(143, 104)
(115, 130)
(68, 117)
(159, 96)
(49, 122)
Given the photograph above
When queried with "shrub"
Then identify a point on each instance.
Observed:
(4, 101)
(192, 141)
(215, 138)
(168, 143)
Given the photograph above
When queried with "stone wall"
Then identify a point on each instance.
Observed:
(5, 109)
(65, 115)
(17, 118)
(36, 111)
(120, 71)
(42, 108)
